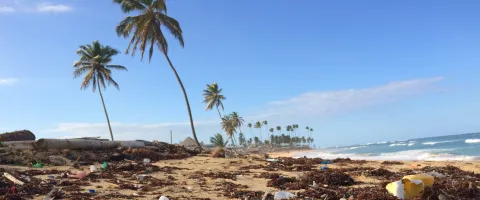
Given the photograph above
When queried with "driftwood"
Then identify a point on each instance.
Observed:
(74, 144)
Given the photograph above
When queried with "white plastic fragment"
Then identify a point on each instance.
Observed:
(13, 179)
(283, 195)
(163, 198)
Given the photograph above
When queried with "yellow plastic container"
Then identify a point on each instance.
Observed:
(426, 179)
(410, 186)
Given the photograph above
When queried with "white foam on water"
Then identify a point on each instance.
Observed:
(411, 144)
(398, 144)
(472, 141)
(357, 147)
(426, 154)
(439, 142)
(382, 142)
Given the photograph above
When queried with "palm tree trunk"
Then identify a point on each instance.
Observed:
(220, 115)
(105, 109)
(186, 101)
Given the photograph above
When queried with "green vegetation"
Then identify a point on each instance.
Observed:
(95, 64)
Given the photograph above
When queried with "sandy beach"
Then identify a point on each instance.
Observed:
(203, 177)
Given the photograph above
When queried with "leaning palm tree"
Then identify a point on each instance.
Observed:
(95, 64)
(145, 29)
(218, 140)
(213, 97)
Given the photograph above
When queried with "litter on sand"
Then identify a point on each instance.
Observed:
(410, 186)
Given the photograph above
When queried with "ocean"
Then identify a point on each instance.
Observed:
(462, 147)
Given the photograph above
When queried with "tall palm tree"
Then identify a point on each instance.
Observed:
(228, 127)
(258, 125)
(308, 131)
(146, 29)
(279, 128)
(213, 97)
(271, 131)
(95, 64)
(249, 125)
(265, 122)
(237, 121)
(218, 140)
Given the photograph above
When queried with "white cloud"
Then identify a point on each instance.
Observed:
(342, 101)
(8, 81)
(48, 7)
(125, 131)
(6, 9)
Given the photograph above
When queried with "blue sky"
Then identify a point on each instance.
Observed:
(357, 71)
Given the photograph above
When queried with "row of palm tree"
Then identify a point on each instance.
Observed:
(232, 123)
(144, 30)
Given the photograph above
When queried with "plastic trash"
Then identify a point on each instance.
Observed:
(93, 168)
(163, 198)
(141, 177)
(436, 174)
(146, 161)
(410, 186)
(37, 165)
(426, 179)
(272, 160)
(51, 176)
(104, 166)
(79, 175)
(283, 195)
(91, 191)
(13, 179)
(324, 167)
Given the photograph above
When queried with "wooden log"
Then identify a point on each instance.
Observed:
(74, 144)
(17, 136)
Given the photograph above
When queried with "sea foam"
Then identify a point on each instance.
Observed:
(472, 141)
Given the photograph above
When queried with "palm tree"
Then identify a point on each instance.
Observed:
(94, 63)
(229, 127)
(241, 139)
(146, 29)
(308, 130)
(237, 121)
(279, 128)
(249, 125)
(271, 131)
(258, 125)
(265, 122)
(218, 140)
(213, 97)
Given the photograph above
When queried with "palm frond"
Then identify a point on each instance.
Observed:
(173, 26)
(130, 5)
(81, 70)
(119, 67)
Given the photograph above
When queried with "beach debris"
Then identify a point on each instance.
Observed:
(436, 174)
(13, 179)
(93, 168)
(283, 195)
(218, 153)
(163, 198)
(410, 185)
(21, 135)
(58, 160)
(78, 174)
(272, 160)
(50, 195)
(392, 163)
(324, 167)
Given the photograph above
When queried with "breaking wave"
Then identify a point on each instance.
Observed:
(472, 141)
